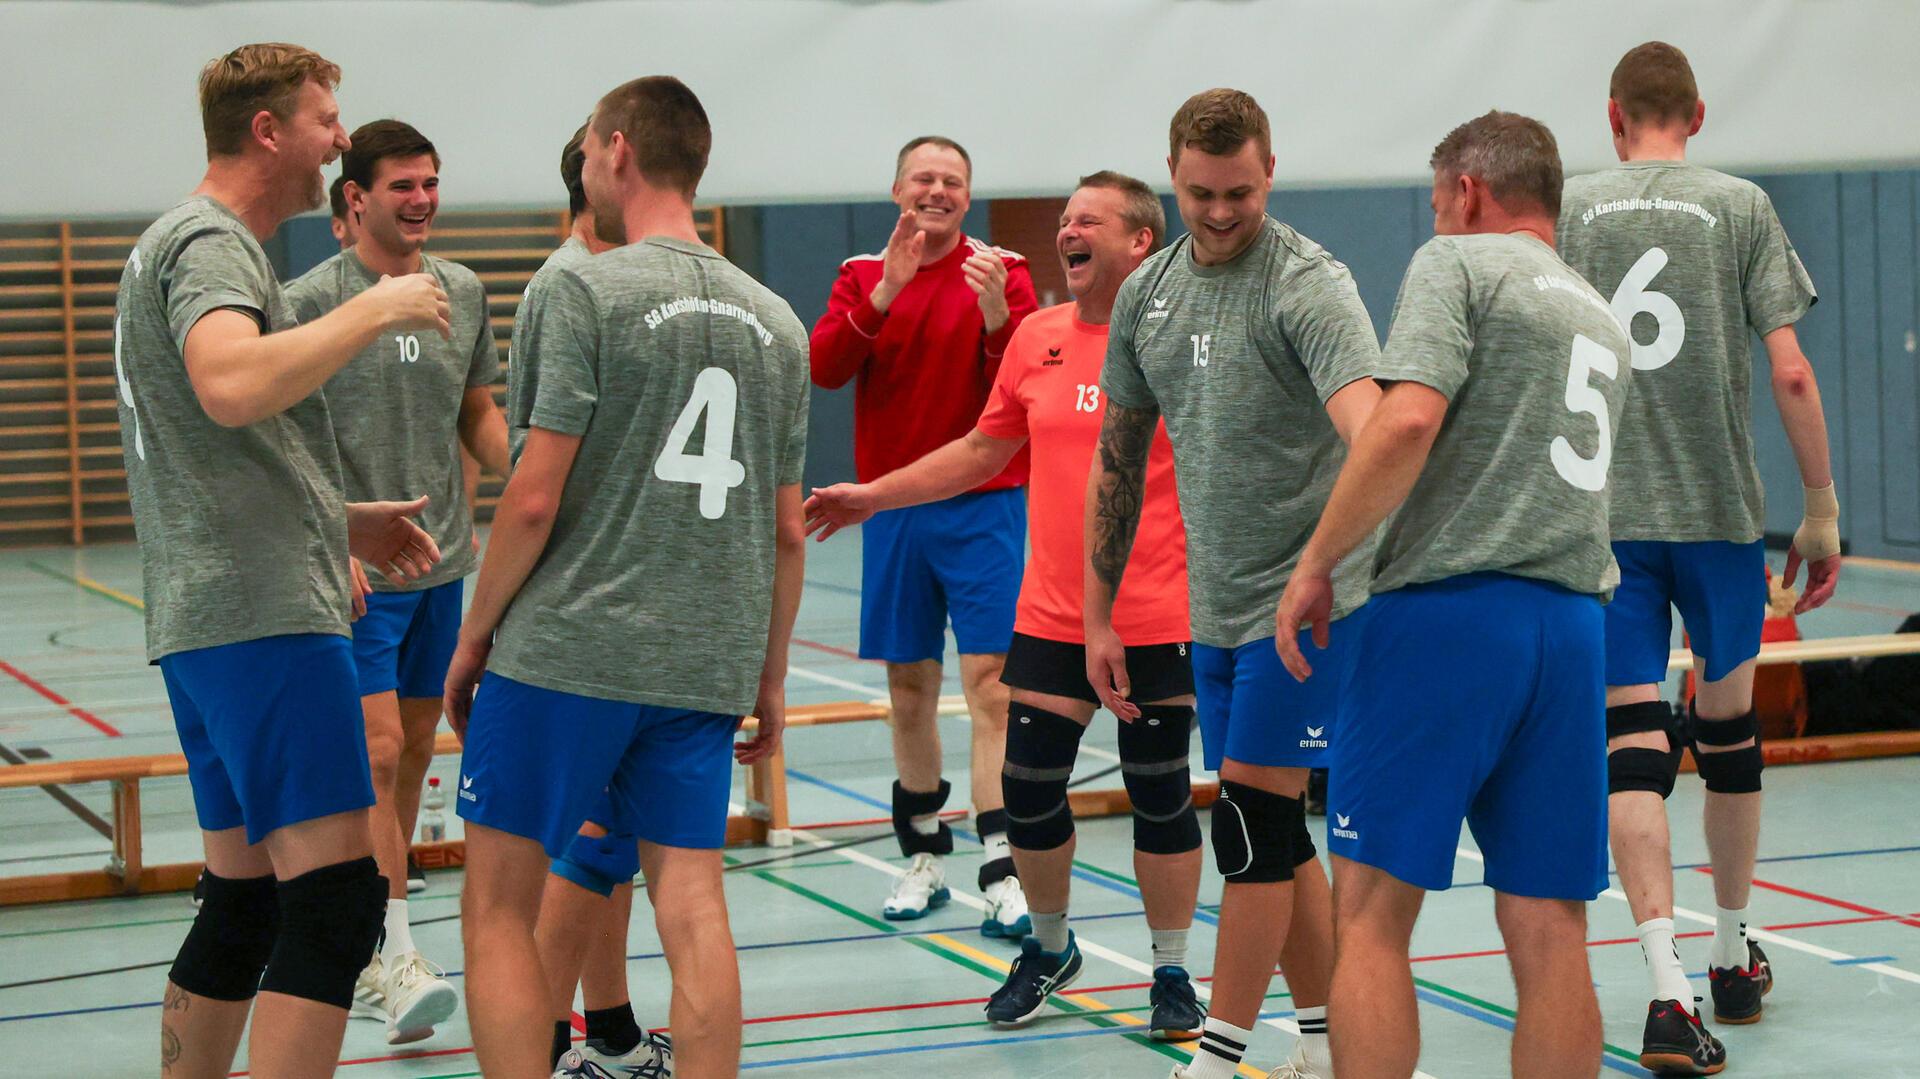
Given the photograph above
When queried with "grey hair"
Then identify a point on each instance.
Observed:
(1515, 156)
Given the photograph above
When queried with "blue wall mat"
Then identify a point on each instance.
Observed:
(309, 242)
(1369, 229)
(1897, 203)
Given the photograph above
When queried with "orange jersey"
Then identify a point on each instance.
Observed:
(1048, 391)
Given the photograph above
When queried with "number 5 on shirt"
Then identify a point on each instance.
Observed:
(1587, 473)
(714, 470)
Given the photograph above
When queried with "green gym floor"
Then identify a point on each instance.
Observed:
(831, 989)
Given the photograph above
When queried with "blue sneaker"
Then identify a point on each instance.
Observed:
(1177, 1015)
(1036, 975)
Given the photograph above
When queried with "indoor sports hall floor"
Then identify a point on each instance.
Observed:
(831, 989)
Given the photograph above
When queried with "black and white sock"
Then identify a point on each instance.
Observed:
(1221, 1046)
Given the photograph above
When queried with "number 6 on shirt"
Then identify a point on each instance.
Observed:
(714, 470)
(1587, 473)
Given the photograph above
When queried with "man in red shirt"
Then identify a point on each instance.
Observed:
(1048, 390)
(922, 326)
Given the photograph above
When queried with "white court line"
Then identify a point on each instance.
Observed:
(829, 680)
(1758, 934)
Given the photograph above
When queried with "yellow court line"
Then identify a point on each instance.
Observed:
(1881, 563)
(90, 583)
(1085, 1001)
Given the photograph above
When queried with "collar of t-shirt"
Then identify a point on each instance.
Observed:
(685, 247)
(1653, 164)
(1090, 329)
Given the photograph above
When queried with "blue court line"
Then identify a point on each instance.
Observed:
(829, 586)
(78, 1011)
(1861, 853)
(1440, 1001)
(1863, 959)
(1108, 883)
(1017, 1039)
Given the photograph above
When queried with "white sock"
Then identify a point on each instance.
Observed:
(399, 939)
(1663, 962)
(1314, 1049)
(1169, 947)
(927, 825)
(1050, 930)
(1221, 1046)
(1729, 938)
(996, 844)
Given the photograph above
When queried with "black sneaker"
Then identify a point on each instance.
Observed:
(1677, 1043)
(416, 877)
(1036, 975)
(1737, 992)
(1177, 1016)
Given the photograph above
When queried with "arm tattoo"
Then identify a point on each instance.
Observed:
(1125, 436)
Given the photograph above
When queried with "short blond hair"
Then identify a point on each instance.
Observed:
(237, 86)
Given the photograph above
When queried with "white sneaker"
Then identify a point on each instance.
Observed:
(370, 992)
(920, 889)
(1006, 913)
(418, 998)
(651, 1059)
(575, 1065)
(1297, 1066)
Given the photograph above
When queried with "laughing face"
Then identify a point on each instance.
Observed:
(397, 213)
(1096, 247)
(935, 184)
(311, 137)
(1222, 198)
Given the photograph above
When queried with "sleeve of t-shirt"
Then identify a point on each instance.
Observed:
(793, 466)
(1777, 287)
(561, 345)
(213, 270)
(484, 366)
(1326, 323)
(1121, 378)
(1432, 332)
(1006, 415)
(303, 296)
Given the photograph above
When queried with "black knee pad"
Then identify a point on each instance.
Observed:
(231, 938)
(1733, 771)
(330, 923)
(1637, 768)
(910, 804)
(1153, 764)
(1303, 849)
(1254, 832)
(1041, 749)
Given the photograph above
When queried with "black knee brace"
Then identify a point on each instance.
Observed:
(1041, 748)
(1732, 771)
(330, 922)
(1254, 833)
(1153, 764)
(231, 938)
(1637, 768)
(910, 804)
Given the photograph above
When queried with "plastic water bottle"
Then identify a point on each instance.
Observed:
(433, 818)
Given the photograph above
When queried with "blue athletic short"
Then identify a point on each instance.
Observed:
(537, 760)
(1720, 588)
(598, 863)
(1251, 710)
(962, 557)
(406, 639)
(1481, 698)
(271, 730)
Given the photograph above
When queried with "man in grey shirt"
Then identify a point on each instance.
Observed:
(1506, 375)
(401, 410)
(244, 544)
(1252, 341)
(1696, 263)
(640, 585)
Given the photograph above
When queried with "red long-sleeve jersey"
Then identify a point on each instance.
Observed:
(925, 366)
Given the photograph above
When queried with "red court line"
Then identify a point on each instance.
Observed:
(1830, 901)
(948, 814)
(73, 709)
(832, 650)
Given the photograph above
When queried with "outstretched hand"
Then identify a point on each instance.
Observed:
(381, 535)
(842, 505)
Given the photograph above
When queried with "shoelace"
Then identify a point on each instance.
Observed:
(415, 969)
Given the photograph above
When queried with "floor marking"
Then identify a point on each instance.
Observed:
(71, 708)
(1816, 897)
(1868, 959)
(90, 585)
(67, 801)
(829, 680)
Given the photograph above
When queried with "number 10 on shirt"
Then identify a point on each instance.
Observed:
(713, 470)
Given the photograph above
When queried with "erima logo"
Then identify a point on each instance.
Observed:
(1053, 358)
(1159, 309)
(1313, 740)
(1341, 821)
(466, 789)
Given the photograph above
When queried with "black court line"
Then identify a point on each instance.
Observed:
(87, 816)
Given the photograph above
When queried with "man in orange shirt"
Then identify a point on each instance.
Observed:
(1048, 390)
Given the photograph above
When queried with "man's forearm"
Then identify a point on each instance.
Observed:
(955, 468)
(245, 379)
(484, 433)
(1116, 489)
(1381, 469)
(789, 579)
(1797, 396)
(513, 548)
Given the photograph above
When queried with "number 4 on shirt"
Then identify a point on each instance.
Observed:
(714, 470)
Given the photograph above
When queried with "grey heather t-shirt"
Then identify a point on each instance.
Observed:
(1534, 366)
(396, 406)
(1240, 359)
(243, 530)
(686, 381)
(1693, 262)
(520, 380)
